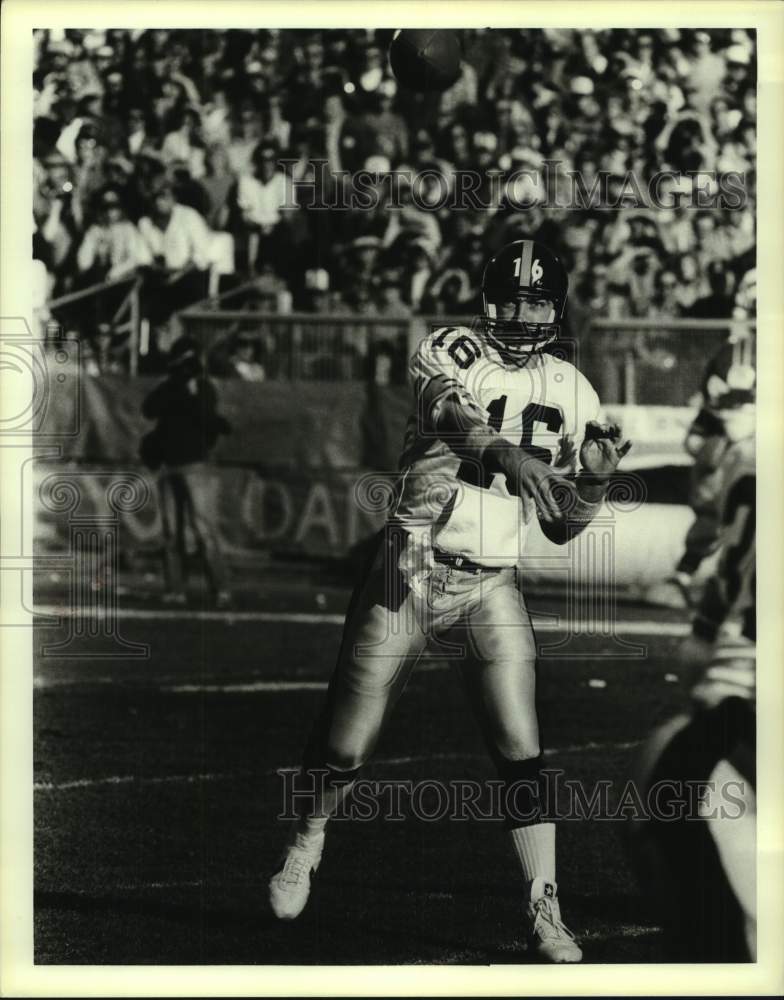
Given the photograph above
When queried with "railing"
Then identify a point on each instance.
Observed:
(628, 361)
(124, 317)
(658, 361)
(335, 347)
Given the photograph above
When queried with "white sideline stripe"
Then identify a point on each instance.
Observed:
(173, 614)
(139, 886)
(248, 687)
(591, 628)
(189, 779)
(624, 930)
(126, 779)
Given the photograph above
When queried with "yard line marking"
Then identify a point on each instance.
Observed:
(129, 779)
(244, 688)
(592, 628)
(623, 930)
(130, 887)
(172, 614)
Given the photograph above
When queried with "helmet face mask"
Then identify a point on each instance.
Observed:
(519, 284)
(516, 330)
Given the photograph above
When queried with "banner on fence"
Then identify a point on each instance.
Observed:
(300, 426)
(292, 477)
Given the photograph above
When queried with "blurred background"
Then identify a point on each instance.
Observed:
(177, 193)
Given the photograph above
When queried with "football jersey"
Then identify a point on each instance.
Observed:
(452, 501)
(730, 591)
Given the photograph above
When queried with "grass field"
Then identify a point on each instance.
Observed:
(157, 794)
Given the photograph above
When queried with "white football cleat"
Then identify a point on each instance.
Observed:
(548, 936)
(289, 887)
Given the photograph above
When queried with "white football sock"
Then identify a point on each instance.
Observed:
(535, 849)
(314, 824)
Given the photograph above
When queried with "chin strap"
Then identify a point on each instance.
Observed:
(493, 327)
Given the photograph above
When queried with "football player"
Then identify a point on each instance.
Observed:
(502, 432)
(706, 441)
(700, 865)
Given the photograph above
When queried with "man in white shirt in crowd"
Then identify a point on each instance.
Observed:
(176, 235)
(179, 243)
(264, 200)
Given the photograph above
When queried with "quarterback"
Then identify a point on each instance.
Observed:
(501, 432)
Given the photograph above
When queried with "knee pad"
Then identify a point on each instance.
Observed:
(523, 791)
(319, 761)
(341, 775)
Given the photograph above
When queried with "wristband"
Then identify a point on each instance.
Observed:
(595, 484)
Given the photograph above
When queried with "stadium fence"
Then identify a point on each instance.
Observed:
(638, 361)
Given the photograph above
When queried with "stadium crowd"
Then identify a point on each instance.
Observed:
(162, 152)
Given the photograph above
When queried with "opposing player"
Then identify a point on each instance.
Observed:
(501, 433)
(700, 863)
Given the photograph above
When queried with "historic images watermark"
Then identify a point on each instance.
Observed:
(552, 184)
(42, 411)
(559, 798)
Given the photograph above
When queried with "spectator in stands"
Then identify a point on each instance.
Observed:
(216, 119)
(243, 359)
(448, 294)
(247, 135)
(58, 225)
(175, 235)
(712, 242)
(88, 172)
(169, 102)
(362, 257)
(371, 75)
(706, 72)
(418, 270)
(666, 303)
(718, 303)
(307, 82)
(112, 246)
(317, 295)
(348, 139)
(668, 100)
(277, 128)
(456, 145)
(184, 143)
(188, 425)
(217, 182)
(690, 284)
(740, 232)
(635, 269)
(410, 222)
(187, 190)
(265, 201)
(178, 242)
(463, 93)
(138, 129)
(389, 127)
(390, 301)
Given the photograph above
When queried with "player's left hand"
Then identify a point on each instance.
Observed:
(603, 447)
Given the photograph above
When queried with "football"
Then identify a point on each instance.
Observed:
(425, 59)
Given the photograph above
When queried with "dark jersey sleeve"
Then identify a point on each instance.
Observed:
(731, 590)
